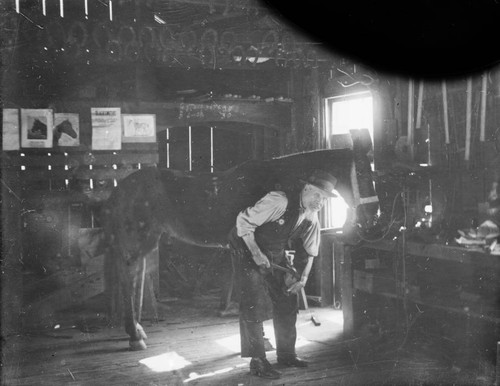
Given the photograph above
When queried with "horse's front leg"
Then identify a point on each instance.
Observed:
(132, 327)
(138, 291)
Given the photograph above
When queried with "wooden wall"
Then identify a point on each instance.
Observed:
(287, 117)
(462, 170)
(51, 199)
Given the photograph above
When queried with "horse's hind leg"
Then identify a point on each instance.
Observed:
(231, 290)
(129, 284)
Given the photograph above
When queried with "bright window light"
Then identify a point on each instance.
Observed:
(342, 114)
(350, 112)
(335, 212)
(165, 362)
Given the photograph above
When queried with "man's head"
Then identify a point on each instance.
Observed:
(318, 187)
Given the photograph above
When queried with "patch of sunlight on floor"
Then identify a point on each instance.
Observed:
(269, 334)
(231, 343)
(194, 376)
(336, 317)
(165, 362)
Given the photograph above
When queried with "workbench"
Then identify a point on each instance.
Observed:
(453, 292)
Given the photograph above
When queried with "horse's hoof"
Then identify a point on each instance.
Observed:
(141, 332)
(232, 309)
(137, 345)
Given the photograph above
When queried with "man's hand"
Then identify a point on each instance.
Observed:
(296, 287)
(261, 260)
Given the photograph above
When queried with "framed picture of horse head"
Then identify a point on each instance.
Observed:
(66, 129)
(36, 127)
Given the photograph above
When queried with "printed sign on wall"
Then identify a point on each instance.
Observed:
(106, 128)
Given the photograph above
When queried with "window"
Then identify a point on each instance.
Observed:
(354, 111)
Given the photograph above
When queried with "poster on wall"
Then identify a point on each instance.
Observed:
(10, 129)
(36, 127)
(106, 128)
(139, 127)
(66, 129)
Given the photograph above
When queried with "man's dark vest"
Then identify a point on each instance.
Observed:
(275, 236)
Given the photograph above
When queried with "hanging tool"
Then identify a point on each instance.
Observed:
(445, 121)
(468, 120)
(410, 133)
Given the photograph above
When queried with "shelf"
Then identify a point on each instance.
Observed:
(452, 253)
(456, 309)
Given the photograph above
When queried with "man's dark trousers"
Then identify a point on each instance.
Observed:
(264, 296)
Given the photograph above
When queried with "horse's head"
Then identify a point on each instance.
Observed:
(351, 167)
(67, 128)
(64, 127)
(38, 130)
(363, 188)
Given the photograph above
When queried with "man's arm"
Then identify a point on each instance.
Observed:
(257, 255)
(269, 208)
(296, 287)
(311, 241)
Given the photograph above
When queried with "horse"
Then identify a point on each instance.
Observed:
(201, 208)
(64, 127)
(38, 130)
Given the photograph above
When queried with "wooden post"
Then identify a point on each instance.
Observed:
(324, 271)
(338, 279)
(11, 279)
(347, 292)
